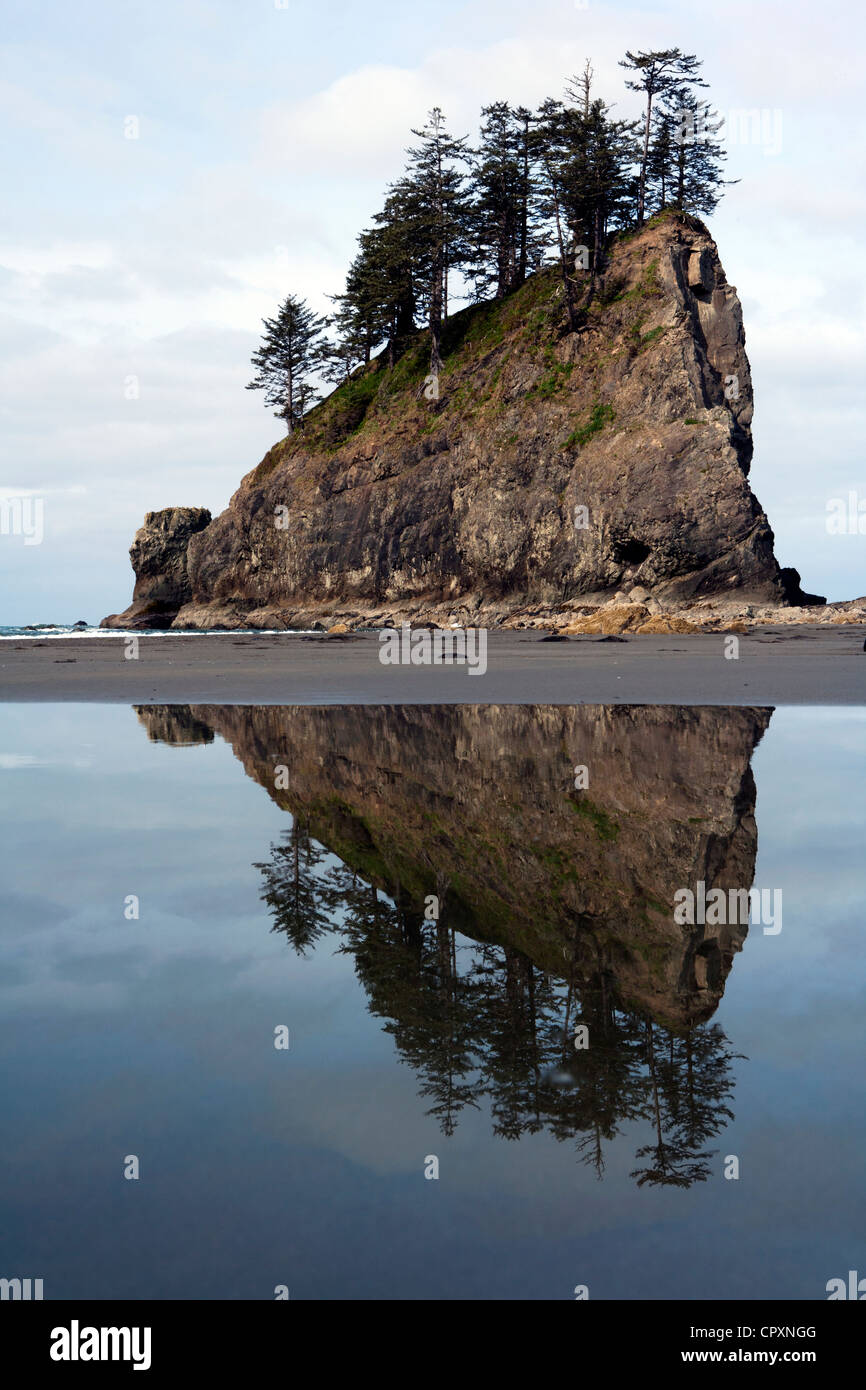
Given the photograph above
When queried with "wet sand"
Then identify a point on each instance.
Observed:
(815, 665)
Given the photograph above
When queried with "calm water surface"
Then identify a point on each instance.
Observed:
(289, 866)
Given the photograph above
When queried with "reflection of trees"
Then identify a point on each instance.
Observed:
(409, 971)
(602, 1086)
(482, 1022)
(689, 1087)
(292, 891)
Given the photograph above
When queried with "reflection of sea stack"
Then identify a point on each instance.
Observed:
(174, 724)
(483, 798)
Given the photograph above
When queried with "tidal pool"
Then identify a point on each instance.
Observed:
(391, 1002)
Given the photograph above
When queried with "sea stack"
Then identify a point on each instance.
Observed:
(549, 466)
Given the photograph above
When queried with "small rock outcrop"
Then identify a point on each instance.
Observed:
(159, 559)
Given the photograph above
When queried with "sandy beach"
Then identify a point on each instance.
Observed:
(775, 666)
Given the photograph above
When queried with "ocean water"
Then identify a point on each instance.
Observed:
(43, 630)
(46, 631)
(427, 905)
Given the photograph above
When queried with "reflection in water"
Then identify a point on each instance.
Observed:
(494, 912)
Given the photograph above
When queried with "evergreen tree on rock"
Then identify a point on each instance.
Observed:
(438, 214)
(656, 73)
(291, 351)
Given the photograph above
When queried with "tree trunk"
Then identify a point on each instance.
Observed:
(563, 261)
(641, 189)
(438, 275)
(435, 339)
(524, 210)
(598, 242)
(290, 395)
(502, 258)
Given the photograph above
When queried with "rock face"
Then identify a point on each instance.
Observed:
(159, 559)
(477, 805)
(545, 466)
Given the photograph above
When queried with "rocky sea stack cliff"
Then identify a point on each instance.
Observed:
(551, 476)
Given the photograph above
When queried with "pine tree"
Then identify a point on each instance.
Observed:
(438, 216)
(379, 302)
(584, 160)
(530, 252)
(393, 273)
(357, 328)
(501, 219)
(695, 155)
(660, 178)
(596, 176)
(342, 355)
(551, 154)
(657, 73)
(291, 350)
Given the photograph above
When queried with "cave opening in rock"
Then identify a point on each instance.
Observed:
(631, 552)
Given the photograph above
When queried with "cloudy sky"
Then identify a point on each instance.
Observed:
(266, 133)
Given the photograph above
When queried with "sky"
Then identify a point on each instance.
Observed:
(173, 170)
